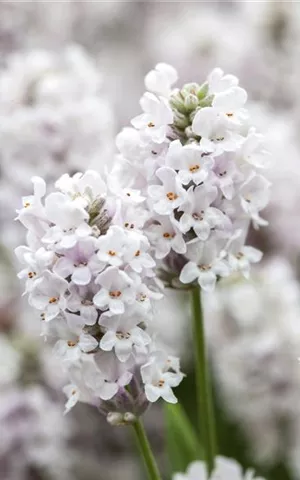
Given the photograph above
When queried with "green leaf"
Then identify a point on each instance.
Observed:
(182, 441)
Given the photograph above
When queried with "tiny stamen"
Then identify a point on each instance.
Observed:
(53, 300)
(171, 196)
(194, 168)
(115, 293)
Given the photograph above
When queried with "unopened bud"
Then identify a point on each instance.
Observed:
(189, 88)
(202, 91)
(207, 101)
(129, 418)
(189, 132)
(191, 102)
(99, 217)
(115, 418)
(180, 120)
(177, 102)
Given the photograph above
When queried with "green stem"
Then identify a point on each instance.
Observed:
(145, 449)
(204, 395)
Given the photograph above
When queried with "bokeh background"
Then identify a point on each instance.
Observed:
(71, 75)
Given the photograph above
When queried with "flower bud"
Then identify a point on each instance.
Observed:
(180, 120)
(189, 88)
(191, 102)
(98, 216)
(189, 132)
(115, 418)
(207, 101)
(129, 418)
(202, 91)
(177, 102)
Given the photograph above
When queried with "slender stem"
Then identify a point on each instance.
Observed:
(145, 449)
(203, 394)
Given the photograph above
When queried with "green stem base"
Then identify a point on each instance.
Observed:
(146, 452)
(205, 409)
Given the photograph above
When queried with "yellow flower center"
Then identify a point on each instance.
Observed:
(171, 196)
(115, 293)
(53, 300)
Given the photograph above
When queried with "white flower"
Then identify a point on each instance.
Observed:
(169, 195)
(80, 262)
(63, 211)
(199, 215)
(80, 301)
(100, 386)
(144, 295)
(156, 117)
(240, 256)
(165, 236)
(229, 104)
(191, 161)
(48, 295)
(70, 351)
(253, 151)
(225, 469)
(136, 254)
(214, 131)
(129, 196)
(205, 265)
(225, 174)
(112, 246)
(218, 82)
(36, 262)
(61, 238)
(85, 187)
(158, 380)
(116, 290)
(161, 79)
(130, 217)
(122, 334)
(254, 196)
(32, 215)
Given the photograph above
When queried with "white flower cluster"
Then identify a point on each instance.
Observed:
(225, 469)
(89, 272)
(193, 155)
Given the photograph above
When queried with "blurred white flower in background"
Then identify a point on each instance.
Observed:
(32, 442)
(10, 362)
(225, 469)
(254, 336)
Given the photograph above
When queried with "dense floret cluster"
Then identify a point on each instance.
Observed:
(195, 158)
(89, 271)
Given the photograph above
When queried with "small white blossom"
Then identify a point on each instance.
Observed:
(169, 195)
(159, 378)
(191, 161)
(48, 295)
(116, 290)
(123, 334)
(156, 117)
(166, 236)
(205, 265)
(161, 79)
(225, 469)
